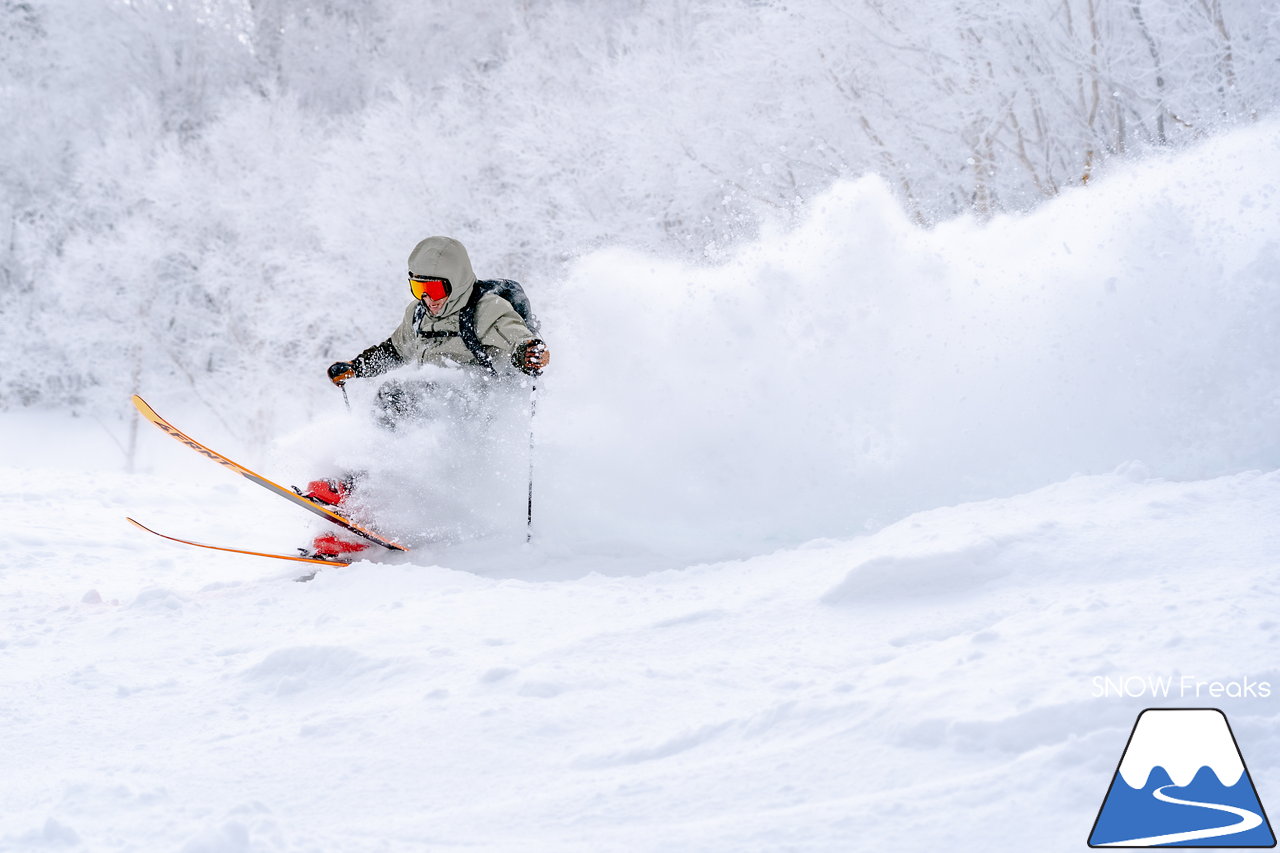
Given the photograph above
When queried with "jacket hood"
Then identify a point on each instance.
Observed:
(445, 257)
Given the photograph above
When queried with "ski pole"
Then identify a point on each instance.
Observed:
(533, 409)
(344, 396)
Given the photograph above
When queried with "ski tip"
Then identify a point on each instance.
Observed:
(143, 406)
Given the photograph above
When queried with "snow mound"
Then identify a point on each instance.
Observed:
(927, 575)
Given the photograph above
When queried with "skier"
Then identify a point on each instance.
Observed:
(454, 321)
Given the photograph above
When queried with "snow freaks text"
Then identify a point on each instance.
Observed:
(1178, 687)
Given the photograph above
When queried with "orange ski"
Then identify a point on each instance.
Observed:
(320, 510)
(298, 559)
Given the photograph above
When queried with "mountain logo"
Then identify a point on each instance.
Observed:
(1181, 782)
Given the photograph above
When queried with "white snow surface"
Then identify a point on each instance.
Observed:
(927, 687)
(834, 573)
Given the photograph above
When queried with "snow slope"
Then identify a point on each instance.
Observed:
(798, 584)
(927, 687)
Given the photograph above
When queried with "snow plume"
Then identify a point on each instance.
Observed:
(860, 367)
(437, 456)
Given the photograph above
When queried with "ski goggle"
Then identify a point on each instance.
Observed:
(434, 289)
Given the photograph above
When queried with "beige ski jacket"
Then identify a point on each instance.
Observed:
(423, 339)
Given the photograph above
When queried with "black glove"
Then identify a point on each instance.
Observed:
(341, 371)
(531, 356)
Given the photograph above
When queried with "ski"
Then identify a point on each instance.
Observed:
(297, 559)
(324, 512)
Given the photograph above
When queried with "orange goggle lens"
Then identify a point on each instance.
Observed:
(434, 289)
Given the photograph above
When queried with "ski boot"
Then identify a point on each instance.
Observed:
(327, 546)
(328, 491)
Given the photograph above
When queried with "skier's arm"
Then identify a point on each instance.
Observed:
(510, 338)
(374, 361)
(377, 360)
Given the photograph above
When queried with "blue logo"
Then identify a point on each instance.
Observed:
(1182, 782)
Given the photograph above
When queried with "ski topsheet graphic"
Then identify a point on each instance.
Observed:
(1182, 782)
(325, 513)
